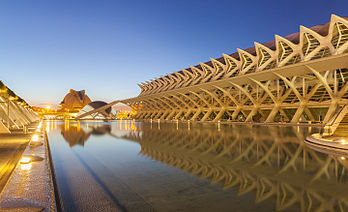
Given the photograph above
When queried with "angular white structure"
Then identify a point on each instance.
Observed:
(91, 111)
(13, 113)
(297, 78)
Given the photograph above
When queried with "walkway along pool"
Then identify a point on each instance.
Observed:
(135, 166)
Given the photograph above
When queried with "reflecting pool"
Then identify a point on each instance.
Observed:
(135, 166)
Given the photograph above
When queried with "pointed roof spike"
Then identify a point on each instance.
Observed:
(314, 33)
(159, 81)
(336, 17)
(195, 69)
(205, 65)
(280, 38)
(228, 57)
(256, 44)
(241, 51)
(178, 75)
(188, 72)
(153, 82)
(334, 20)
(260, 45)
(141, 87)
(333, 16)
(171, 76)
(216, 61)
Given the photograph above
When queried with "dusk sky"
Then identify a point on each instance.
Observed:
(106, 46)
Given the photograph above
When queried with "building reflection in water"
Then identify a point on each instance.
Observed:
(271, 162)
(75, 134)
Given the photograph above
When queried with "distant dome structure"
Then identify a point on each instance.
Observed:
(98, 104)
(108, 113)
(75, 100)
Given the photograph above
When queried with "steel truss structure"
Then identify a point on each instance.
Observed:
(298, 78)
(274, 165)
(14, 115)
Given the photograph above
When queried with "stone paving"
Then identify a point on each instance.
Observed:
(30, 187)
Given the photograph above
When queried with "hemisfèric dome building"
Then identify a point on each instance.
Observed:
(75, 100)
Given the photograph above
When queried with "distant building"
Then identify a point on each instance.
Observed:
(123, 108)
(75, 100)
(107, 113)
(125, 111)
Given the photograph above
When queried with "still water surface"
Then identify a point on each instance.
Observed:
(135, 166)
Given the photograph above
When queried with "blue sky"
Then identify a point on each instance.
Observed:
(107, 46)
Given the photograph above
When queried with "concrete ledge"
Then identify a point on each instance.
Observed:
(328, 143)
(30, 187)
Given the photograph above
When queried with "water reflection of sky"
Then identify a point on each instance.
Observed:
(193, 167)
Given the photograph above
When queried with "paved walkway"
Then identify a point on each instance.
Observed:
(11, 149)
(30, 187)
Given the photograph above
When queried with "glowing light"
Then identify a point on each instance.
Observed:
(343, 158)
(343, 141)
(26, 166)
(25, 160)
(48, 107)
(48, 127)
(38, 130)
(35, 138)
